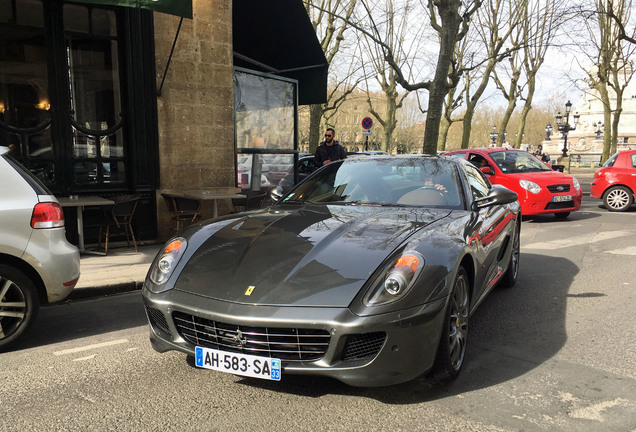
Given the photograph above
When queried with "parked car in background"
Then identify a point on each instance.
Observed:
(37, 264)
(615, 181)
(368, 272)
(374, 152)
(541, 190)
(306, 165)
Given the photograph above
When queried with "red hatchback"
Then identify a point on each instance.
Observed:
(615, 181)
(541, 190)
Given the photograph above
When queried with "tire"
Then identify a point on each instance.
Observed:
(618, 198)
(509, 278)
(19, 305)
(452, 345)
(562, 215)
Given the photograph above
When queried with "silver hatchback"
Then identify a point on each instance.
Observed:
(37, 263)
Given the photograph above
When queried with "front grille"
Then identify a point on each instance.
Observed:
(559, 188)
(289, 344)
(362, 346)
(559, 205)
(157, 319)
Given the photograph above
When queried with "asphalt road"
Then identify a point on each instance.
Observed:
(557, 352)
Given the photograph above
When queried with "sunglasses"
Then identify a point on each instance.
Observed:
(327, 136)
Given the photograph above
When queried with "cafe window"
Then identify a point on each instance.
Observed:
(93, 55)
(265, 110)
(25, 115)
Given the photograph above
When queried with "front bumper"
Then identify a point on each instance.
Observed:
(542, 204)
(407, 351)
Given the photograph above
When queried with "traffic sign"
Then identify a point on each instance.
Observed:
(366, 132)
(367, 123)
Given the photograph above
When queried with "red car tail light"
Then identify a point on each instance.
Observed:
(47, 215)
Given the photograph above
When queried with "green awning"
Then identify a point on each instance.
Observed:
(182, 8)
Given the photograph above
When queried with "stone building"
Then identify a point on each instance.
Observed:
(97, 98)
(585, 143)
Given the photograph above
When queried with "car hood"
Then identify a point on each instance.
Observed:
(310, 255)
(543, 178)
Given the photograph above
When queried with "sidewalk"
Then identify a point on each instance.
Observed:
(122, 270)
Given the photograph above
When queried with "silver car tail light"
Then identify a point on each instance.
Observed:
(47, 215)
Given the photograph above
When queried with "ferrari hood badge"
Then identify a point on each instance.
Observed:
(249, 290)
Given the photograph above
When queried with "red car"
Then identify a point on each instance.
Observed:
(541, 190)
(615, 181)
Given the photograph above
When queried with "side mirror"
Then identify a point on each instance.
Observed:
(498, 195)
(486, 170)
(276, 193)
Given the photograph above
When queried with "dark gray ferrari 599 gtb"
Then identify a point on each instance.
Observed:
(368, 272)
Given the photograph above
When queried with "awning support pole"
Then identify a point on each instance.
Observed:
(174, 42)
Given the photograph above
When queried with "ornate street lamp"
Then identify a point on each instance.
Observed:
(494, 135)
(599, 130)
(548, 130)
(564, 126)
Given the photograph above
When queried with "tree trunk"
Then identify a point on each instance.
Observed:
(468, 120)
(448, 11)
(527, 106)
(444, 127)
(315, 115)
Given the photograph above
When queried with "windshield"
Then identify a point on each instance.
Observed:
(389, 181)
(511, 162)
(610, 161)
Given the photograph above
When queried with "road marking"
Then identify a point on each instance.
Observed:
(578, 241)
(90, 357)
(595, 412)
(90, 347)
(626, 251)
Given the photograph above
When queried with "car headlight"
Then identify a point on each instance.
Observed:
(396, 280)
(531, 187)
(576, 183)
(165, 264)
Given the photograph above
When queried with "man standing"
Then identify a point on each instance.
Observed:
(329, 150)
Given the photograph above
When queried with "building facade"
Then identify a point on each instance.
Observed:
(100, 99)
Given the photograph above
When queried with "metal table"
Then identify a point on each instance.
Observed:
(211, 195)
(80, 202)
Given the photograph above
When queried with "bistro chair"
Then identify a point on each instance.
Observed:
(183, 211)
(253, 200)
(119, 218)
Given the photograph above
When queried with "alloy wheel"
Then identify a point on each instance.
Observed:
(618, 199)
(459, 322)
(13, 307)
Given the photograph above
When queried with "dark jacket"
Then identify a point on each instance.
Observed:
(322, 154)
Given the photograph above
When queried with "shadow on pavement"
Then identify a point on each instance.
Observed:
(512, 332)
(74, 320)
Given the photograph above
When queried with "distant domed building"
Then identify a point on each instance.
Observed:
(586, 141)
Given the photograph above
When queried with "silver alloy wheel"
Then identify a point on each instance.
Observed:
(458, 333)
(618, 199)
(13, 307)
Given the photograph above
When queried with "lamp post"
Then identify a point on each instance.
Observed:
(548, 130)
(564, 126)
(599, 129)
(494, 135)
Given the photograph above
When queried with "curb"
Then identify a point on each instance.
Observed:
(105, 290)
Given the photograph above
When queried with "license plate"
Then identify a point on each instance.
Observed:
(562, 198)
(238, 364)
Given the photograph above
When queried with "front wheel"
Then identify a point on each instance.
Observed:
(18, 305)
(452, 345)
(618, 198)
